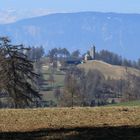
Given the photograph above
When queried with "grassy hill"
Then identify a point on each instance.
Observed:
(113, 71)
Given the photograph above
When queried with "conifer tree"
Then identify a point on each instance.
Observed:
(17, 76)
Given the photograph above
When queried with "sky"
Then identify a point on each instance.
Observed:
(11, 10)
(74, 5)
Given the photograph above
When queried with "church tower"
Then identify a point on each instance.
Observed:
(92, 52)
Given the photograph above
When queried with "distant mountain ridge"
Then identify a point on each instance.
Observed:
(119, 33)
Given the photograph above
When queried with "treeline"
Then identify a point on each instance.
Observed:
(116, 59)
(37, 53)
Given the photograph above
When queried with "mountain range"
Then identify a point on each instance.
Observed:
(115, 32)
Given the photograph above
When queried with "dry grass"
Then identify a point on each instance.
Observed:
(55, 118)
(109, 70)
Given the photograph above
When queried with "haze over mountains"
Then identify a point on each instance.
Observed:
(119, 33)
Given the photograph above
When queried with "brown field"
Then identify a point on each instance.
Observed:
(109, 123)
(55, 118)
(108, 70)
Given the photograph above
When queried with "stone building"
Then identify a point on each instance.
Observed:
(91, 55)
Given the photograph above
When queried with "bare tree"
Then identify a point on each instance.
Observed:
(71, 95)
(131, 87)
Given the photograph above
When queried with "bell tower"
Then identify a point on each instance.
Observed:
(93, 52)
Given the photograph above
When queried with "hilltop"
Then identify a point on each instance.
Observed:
(112, 71)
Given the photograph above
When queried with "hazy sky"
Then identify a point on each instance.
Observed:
(13, 10)
(127, 6)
